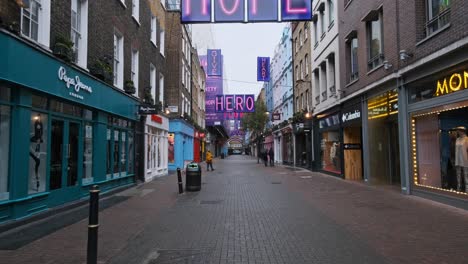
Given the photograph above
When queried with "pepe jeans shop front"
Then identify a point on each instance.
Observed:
(60, 132)
(438, 123)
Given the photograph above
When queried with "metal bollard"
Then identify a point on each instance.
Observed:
(179, 178)
(93, 225)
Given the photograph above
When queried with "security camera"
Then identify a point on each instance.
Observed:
(404, 55)
(387, 65)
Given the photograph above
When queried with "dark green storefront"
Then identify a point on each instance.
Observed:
(60, 132)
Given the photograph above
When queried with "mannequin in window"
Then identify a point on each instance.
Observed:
(461, 158)
(333, 154)
(35, 153)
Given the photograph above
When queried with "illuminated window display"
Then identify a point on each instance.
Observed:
(331, 149)
(38, 153)
(440, 148)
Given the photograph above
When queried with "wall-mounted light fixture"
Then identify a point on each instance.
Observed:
(405, 55)
(387, 65)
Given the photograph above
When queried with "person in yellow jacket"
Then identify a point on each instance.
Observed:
(209, 161)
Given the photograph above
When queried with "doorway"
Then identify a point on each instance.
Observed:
(64, 170)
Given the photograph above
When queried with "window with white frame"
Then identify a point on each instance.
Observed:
(296, 45)
(353, 62)
(322, 23)
(301, 70)
(331, 13)
(79, 31)
(306, 61)
(161, 39)
(161, 89)
(438, 15)
(182, 109)
(183, 72)
(297, 72)
(315, 33)
(154, 30)
(136, 9)
(307, 99)
(35, 21)
(118, 60)
(134, 70)
(306, 31)
(153, 81)
(183, 46)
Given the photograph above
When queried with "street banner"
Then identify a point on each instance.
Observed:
(235, 103)
(214, 64)
(263, 69)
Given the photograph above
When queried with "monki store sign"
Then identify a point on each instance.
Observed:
(454, 83)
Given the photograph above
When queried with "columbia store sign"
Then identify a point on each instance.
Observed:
(73, 82)
(350, 116)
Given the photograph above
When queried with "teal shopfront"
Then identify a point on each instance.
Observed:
(61, 131)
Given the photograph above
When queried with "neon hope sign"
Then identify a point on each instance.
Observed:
(200, 11)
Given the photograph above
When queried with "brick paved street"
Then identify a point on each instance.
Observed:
(246, 213)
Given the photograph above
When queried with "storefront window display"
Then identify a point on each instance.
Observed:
(171, 154)
(37, 153)
(120, 148)
(440, 148)
(5, 116)
(109, 154)
(131, 149)
(330, 144)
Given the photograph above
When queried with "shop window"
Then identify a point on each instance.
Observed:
(65, 108)
(5, 116)
(123, 153)
(39, 102)
(131, 153)
(171, 147)
(109, 154)
(438, 15)
(440, 148)
(330, 151)
(38, 153)
(116, 153)
(88, 153)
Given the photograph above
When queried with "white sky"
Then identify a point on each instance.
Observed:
(240, 45)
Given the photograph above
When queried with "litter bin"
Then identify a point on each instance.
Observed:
(222, 155)
(193, 177)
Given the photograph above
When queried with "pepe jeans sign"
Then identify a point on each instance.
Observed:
(75, 83)
(350, 116)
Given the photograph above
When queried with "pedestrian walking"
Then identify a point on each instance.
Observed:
(271, 153)
(265, 157)
(209, 161)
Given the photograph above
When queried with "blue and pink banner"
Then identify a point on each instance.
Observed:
(263, 69)
(214, 87)
(214, 66)
(200, 11)
(235, 103)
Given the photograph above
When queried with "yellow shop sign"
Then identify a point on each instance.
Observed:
(454, 83)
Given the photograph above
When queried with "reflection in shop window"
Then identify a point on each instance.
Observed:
(440, 148)
(123, 154)
(330, 151)
(5, 115)
(170, 140)
(130, 153)
(109, 155)
(37, 153)
(116, 153)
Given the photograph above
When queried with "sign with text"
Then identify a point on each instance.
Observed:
(214, 87)
(214, 63)
(147, 110)
(454, 83)
(262, 11)
(196, 11)
(200, 11)
(235, 103)
(263, 69)
(229, 10)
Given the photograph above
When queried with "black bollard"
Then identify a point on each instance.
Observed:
(93, 225)
(179, 178)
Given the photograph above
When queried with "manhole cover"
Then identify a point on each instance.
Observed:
(276, 183)
(211, 202)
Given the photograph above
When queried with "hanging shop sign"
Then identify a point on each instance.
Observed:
(74, 83)
(147, 110)
(200, 11)
(214, 63)
(456, 82)
(263, 69)
(235, 103)
(276, 116)
(173, 108)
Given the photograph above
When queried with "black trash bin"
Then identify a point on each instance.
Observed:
(193, 177)
(222, 155)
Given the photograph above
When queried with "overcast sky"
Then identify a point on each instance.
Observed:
(241, 44)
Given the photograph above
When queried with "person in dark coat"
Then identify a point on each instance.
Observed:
(271, 153)
(265, 157)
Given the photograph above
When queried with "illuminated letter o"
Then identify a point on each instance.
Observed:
(249, 103)
(452, 87)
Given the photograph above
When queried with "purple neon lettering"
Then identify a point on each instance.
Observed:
(292, 10)
(188, 4)
(254, 7)
(220, 103)
(229, 12)
(239, 103)
(229, 103)
(249, 103)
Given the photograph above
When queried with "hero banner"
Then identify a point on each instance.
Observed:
(200, 11)
(235, 103)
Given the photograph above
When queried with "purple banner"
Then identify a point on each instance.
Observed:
(214, 87)
(214, 64)
(229, 10)
(263, 69)
(235, 103)
(293, 10)
(262, 10)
